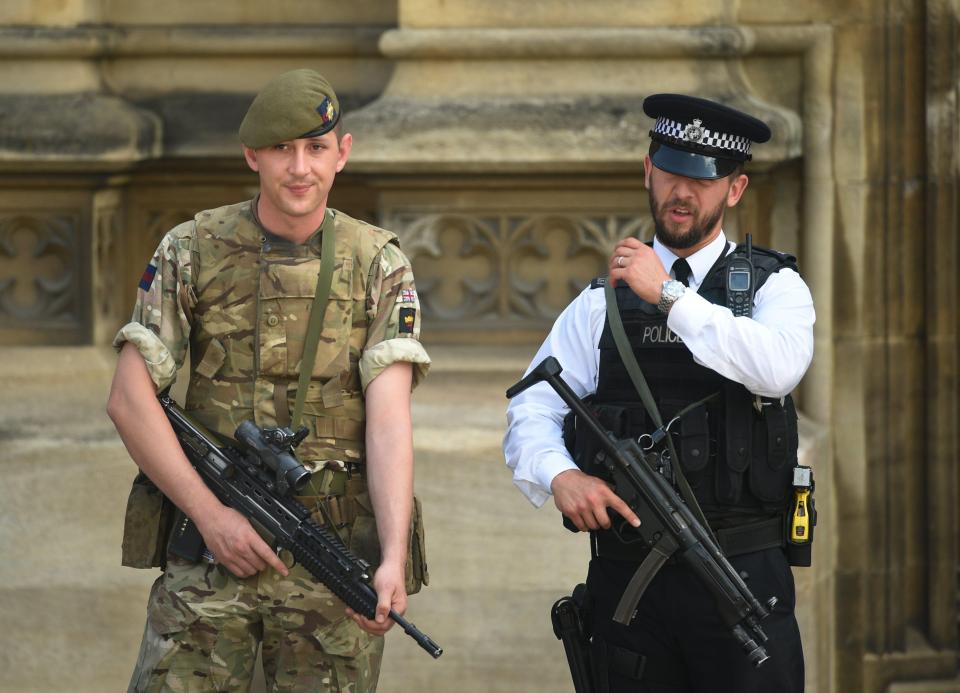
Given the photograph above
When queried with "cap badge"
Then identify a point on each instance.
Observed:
(693, 132)
(326, 111)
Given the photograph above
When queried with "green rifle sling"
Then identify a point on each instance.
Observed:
(640, 384)
(328, 239)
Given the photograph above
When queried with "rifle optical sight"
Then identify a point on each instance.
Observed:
(273, 447)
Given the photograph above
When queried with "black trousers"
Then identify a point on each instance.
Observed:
(678, 630)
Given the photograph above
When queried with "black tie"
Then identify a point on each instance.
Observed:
(681, 270)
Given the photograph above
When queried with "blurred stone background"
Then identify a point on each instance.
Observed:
(504, 143)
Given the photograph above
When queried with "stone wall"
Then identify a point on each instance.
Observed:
(504, 143)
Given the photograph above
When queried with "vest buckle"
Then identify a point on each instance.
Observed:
(759, 402)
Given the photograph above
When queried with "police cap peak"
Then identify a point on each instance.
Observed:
(699, 138)
(296, 104)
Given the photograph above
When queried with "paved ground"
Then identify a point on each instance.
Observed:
(72, 616)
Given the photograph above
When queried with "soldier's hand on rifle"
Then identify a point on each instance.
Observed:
(230, 537)
(585, 499)
(389, 584)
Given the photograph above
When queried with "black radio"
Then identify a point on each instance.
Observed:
(739, 286)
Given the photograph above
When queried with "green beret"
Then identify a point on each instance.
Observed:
(300, 103)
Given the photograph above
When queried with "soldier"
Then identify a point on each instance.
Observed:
(235, 286)
(725, 373)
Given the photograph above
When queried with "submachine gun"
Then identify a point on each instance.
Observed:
(256, 479)
(668, 527)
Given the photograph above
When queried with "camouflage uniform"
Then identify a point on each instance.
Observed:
(239, 298)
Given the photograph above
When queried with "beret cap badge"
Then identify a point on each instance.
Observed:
(326, 110)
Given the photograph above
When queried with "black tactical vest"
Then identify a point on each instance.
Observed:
(737, 450)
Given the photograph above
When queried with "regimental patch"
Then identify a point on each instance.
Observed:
(408, 316)
(327, 111)
(147, 279)
(407, 296)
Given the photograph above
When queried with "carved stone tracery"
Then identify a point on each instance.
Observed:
(474, 265)
(39, 282)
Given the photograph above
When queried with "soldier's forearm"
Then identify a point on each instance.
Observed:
(152, 445)
(390, 458)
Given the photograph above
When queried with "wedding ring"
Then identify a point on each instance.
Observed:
(619, 260)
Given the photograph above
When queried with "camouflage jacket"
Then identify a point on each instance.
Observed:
(239, 298)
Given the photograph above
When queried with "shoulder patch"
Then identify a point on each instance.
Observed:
(408, 317)
(598, 283)
(147, 279)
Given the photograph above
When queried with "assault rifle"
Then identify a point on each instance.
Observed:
(668, 527)
(256, 480)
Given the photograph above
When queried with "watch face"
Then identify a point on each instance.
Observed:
(670, 292)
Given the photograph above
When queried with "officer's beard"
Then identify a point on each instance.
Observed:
(701, 228)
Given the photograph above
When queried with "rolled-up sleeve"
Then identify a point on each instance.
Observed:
(160, 324)
(393, 309)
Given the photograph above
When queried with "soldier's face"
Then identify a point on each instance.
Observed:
(687, 212)
(296, 176)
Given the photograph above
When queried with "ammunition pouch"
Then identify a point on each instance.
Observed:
(146, 525)
(341, 499)
(744, 461)
(336, 495)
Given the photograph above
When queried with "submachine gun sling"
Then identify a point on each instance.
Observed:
(667, 526)
(256, 481)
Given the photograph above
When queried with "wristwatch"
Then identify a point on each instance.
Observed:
(670, 291)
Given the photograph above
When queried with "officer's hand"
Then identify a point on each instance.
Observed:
(637, 264)
(585, 499)
(389, 583)
(236, 545)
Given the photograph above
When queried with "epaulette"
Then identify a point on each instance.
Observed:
(598, 283)
(785, 258)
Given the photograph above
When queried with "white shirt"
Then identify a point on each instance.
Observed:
(768, 354)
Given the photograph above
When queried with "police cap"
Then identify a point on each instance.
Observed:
(296, 104)
(697, 138)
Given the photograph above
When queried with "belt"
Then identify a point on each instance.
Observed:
(734, 541)
(334, 480)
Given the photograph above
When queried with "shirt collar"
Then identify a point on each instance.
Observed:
(700, 262)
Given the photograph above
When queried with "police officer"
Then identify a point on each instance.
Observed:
(737, 449)
(235, 286)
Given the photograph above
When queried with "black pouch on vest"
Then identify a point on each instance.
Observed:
(738, 434)
(694, 447)
(775, 444)
(583, 445)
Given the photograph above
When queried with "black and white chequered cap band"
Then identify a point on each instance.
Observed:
(695, 133)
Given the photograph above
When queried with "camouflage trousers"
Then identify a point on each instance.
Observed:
(204, 626)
